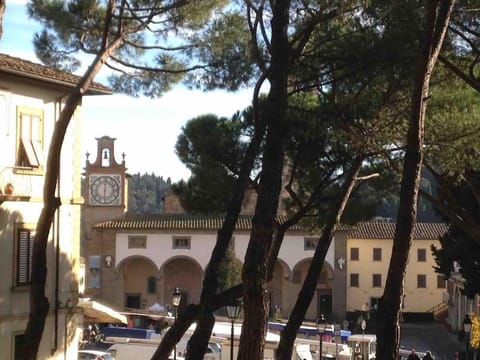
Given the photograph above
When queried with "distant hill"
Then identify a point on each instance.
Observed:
(145, 193)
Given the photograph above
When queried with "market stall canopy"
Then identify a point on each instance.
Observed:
(157, 308)
(97, 312)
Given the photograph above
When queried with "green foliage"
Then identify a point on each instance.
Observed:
(230, 271)
(457, 249)
(453, 126)
(150, 45)
(212, 149)
(229, 53)
(68, 28)
(145, 194)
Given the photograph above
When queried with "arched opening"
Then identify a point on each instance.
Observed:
(139, 283)
(186, 275)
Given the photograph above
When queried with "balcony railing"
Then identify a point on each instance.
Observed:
(15, 185)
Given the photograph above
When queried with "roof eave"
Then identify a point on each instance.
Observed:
(91, 90)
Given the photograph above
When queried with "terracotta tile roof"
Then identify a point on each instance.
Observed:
(363, 230)
(176, 222)
(19, 67)
(386, 230)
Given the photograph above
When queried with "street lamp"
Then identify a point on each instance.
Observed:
(363, 325)
(176, 298)
(233, 311)
(467, 327)
(321, 331)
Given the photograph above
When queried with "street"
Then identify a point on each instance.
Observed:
(431, 336)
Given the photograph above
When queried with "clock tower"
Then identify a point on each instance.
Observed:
(105, 178)
(105, 193)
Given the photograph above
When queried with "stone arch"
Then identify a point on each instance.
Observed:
(322, 300)
(184, 273)
(275, 287)
(299, 272)
(139, 278)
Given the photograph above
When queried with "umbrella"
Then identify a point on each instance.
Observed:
(97, 312)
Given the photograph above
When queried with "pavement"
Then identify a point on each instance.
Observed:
(421, 336)
(433, 336)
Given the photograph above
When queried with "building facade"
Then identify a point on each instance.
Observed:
(31, 97)
(134, 261)
(365, 251)
(137, 260)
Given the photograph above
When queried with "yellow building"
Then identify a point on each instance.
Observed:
(31, 96)
(365, 250)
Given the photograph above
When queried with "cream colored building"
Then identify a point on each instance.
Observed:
(136, 260)
(366, 253)
(31, 97)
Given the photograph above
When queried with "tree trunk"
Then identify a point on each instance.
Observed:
(388, 319)
(199, 340)
(39, 305)
(175, 333)
(254, 275)
(289, 334)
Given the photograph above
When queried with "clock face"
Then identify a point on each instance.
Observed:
(105, 189)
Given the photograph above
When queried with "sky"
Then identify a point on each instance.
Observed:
(146, 129)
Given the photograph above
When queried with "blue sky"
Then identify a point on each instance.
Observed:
(146, 130)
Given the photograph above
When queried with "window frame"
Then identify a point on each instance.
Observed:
(421, 281)
(377, 254)
(30, 146)
(19, 343)
(176, 242)
(137, 241)
(354, 280)
(377, 280)
(151, 285)
(354, 254)
(441, 282)
(421, 255)
(310, 243)
(23, 254)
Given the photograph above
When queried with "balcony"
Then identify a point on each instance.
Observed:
(15, 185)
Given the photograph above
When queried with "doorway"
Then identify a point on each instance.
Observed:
(324, 304)
(132, 301)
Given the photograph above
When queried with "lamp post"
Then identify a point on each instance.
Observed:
(233, 311)
(467, 327)
(321, 331)
(176, 298)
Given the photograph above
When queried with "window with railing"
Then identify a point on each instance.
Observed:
(14, 182)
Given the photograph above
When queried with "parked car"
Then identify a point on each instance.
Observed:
(94, 355)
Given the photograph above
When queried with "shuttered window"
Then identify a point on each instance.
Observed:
(25, 240)
(30, 137)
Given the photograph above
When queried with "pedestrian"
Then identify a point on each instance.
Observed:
(413, 355)
(428, 356)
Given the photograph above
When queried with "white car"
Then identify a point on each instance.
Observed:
(94, 355)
